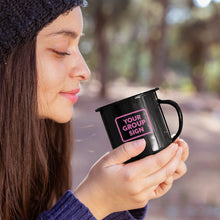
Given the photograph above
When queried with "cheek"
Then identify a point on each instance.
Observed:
(51, 79)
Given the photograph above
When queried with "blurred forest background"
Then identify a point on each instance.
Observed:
(135, 45)
(162, 43)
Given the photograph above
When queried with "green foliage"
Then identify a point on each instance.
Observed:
(192, 40)
(212, 78)
(112, 9)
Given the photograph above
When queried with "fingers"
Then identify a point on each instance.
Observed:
(167, 171)
(163, 188)
(184, 145)
(181, 170)
(125, 152)
(153, 163)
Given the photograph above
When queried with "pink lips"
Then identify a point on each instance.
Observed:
(71, 95)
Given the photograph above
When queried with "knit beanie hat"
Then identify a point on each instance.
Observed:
(21, 20)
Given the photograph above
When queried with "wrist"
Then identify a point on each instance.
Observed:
(92, 200)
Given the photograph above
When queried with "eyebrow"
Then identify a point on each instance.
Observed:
(67, 33)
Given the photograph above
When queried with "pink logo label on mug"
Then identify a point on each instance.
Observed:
(133, 125)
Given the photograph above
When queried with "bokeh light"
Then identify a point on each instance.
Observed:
(202, 3)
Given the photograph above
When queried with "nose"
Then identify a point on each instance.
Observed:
(79, 67)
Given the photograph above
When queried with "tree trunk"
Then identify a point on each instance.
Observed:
(102, 47)
(136, 55)
(135, 73)
(158, 49)
(198, 57)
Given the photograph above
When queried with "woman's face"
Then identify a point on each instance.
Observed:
(60, 66)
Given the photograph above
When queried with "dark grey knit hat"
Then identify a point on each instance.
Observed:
(21, 20)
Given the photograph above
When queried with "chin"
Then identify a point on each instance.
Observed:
(62, 119)
(58, 115)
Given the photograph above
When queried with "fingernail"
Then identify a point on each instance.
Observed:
(180, 151)
(174, 147)
(183, 143)
(139, 142)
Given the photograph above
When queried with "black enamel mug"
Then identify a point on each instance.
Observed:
(140, 116)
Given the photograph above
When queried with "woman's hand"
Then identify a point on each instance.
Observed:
(181, 170)
(113, 186)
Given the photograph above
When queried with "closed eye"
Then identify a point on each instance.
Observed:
(61, 53)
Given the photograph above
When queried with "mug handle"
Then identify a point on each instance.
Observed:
(180, 115)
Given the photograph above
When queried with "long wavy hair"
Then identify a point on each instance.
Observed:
(34, 153)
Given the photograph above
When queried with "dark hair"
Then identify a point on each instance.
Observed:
(34, 153)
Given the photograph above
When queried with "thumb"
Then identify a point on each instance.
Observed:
(125, 152)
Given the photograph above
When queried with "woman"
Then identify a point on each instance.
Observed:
(40, 72)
